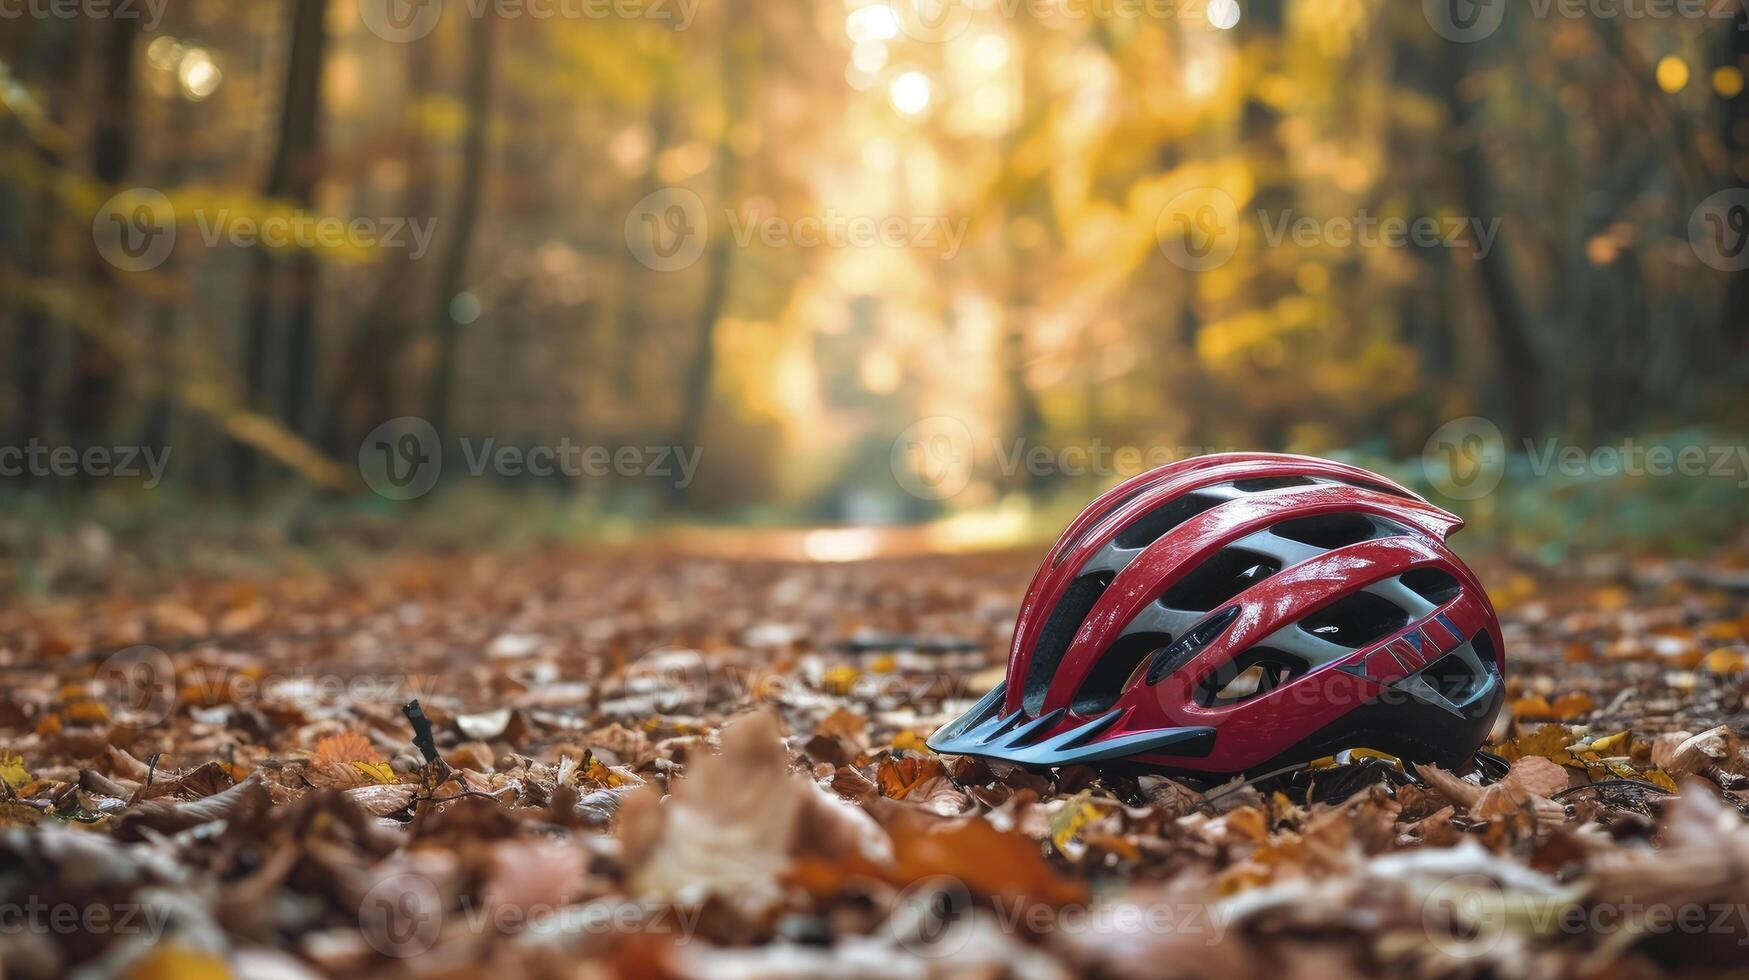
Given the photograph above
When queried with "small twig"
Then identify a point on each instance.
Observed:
(422, 738)
(457, 796)
(1603, 784)
(152, 767)
(1254, 781)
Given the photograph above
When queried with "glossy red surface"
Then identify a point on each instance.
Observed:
(1267, 725)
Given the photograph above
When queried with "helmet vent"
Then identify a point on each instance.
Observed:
(1356, 620)
(1190, 644)
(1337, 530)
(1230, 572)
(1059, 629)
(1263, 483)
(1063, 552)
(1375, 488)
(1154, 524)
(1253, 673)
(1484, 645)
(1110, 673)
(1453, 677)
(1436, 585)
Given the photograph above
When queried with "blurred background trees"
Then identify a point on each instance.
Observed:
(1052, 138)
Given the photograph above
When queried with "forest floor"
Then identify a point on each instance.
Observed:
(656, 765)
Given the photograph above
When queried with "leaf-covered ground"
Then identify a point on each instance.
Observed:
(655, 765)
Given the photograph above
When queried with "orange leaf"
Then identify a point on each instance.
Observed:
(988, 861)
(346, 747)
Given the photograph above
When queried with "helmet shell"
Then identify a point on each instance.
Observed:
(1241, 612)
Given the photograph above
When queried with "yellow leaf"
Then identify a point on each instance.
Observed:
(12, 770)
(1548, 741)
(838, 680)
(177, 962)
(1616, 744)
(1659, 778)
(1726, 661)
(908, 741)
(1066, 824)
(377, 771)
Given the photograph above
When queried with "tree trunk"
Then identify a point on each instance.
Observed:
(700, 373)
(292, 175)
(365, 392)
(97, 374)
(452, 274)
(52, 51)
(1521, 371)
(1734, 136)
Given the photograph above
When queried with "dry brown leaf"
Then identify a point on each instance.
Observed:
(1680, 755)
(167, 817)
(381, 801)
(1464, 794)
(734, 823)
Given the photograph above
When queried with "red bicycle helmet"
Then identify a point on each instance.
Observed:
(1244, 612)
